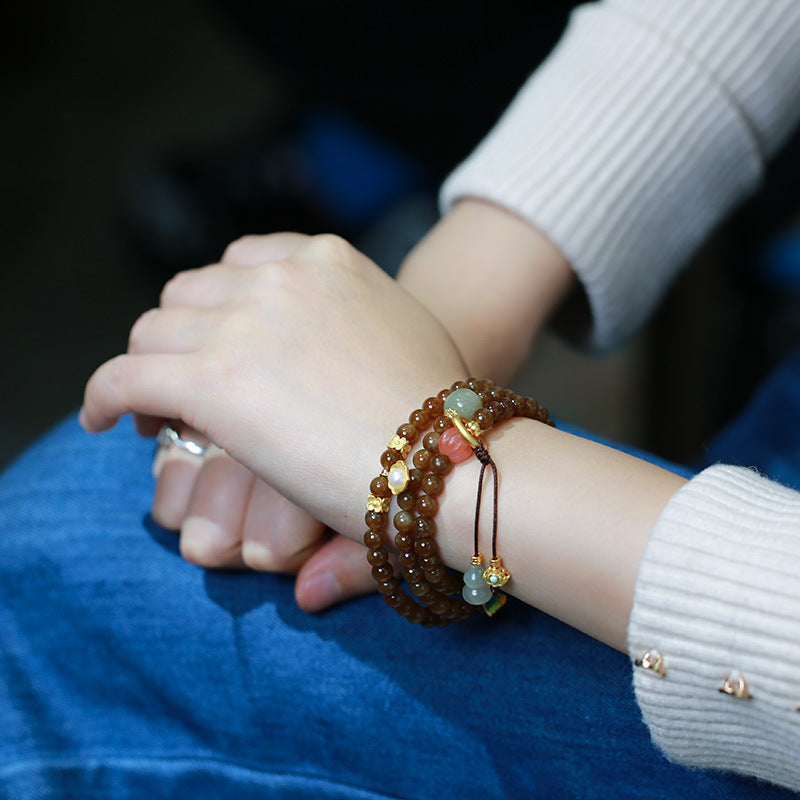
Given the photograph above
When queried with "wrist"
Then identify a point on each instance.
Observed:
(492, 279)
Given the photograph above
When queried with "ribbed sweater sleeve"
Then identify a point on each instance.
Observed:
(650, 120)
(718, 597)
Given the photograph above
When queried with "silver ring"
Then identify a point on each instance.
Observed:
(168, 436)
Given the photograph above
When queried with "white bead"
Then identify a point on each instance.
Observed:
(397, 478)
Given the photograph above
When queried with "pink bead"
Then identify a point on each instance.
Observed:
(453, 445)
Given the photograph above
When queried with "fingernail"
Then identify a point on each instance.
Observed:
(320, 591)
(158, 461)
(258, 556)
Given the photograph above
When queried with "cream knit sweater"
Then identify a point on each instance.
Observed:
(648, 123)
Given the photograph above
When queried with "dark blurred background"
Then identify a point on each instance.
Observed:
(138, 138)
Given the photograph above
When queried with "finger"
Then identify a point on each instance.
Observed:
(155, 385)
(180, 329)
(147, 427)
(278, 536)
(176, 471)
(337, 571)
(203, 288)
(251, 250)
(211, 534)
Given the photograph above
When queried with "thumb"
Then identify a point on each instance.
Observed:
(338, 571)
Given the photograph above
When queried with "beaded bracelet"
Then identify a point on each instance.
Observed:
(457, 418)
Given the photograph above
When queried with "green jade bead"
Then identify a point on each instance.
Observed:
(477, 595)
(464, 402)
(474, 576)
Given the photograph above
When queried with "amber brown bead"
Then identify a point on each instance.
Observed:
(421, 459)
(382, 572)
(432, 484)
(419, 419)
(408, 559)
(408, 431)
(441, 424)
(496, 407)
(375, 520)
(414, 478)
(414, 573)
(395, 599)
(418, 588)
(404, 541)
(388, 586)
(452, 584)
(424, 546)
(441, 606)
(419, 615)
(429, 598)
(440, 464)
(406, 607)
(433, 406)
(403, 520)
(377, 556)
(380, 486)
(373, 539)
(388, 457)
(430, 441)
(406, 500)
(424, 526)
(427, 506)
(459, 385)
(435, 574)
(484, 418)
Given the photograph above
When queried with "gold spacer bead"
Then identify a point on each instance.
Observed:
(379, 504)
(399, 443)
(462, 428)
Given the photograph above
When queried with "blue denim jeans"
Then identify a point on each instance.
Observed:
(129, 673)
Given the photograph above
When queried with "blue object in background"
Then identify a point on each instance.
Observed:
(354, 175)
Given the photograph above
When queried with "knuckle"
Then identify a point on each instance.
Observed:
(331, 247)
(240, 250)
(174, 288)
(138, 329)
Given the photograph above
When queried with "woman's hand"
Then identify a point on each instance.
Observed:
(229, 518)
(299, 360)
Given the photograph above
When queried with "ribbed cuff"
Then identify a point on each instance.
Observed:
(625, 152)
(718, 598)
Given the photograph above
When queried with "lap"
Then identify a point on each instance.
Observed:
(128, 672)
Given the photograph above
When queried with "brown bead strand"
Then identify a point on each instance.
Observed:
(508, 405)
(440, 580)
(422, 568)
(420, 562)
(377, 554)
